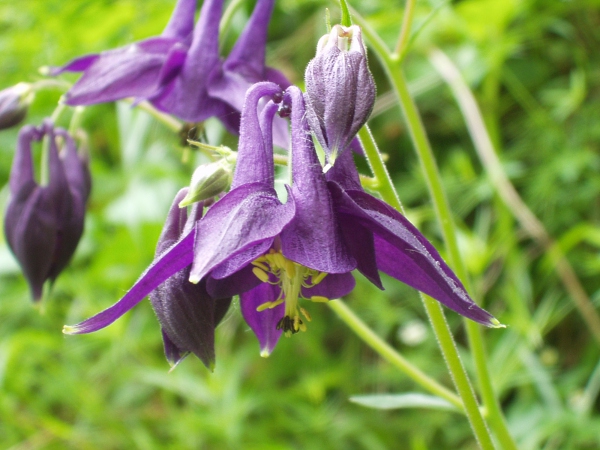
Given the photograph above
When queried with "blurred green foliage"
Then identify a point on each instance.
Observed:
(534, 67)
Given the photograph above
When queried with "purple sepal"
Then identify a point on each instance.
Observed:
(334, 285)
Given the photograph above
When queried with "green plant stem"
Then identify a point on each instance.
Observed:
(403, 38)
(433, 308)
(390, 354)
(421, 143)
(509, 195)
(166, 119)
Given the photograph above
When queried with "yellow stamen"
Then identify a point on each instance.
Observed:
(261, 274)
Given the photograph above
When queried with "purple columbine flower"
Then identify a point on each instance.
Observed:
(136, 70)
(14, 103)
(274, 254)
(340, 90)
(43, 223)
(187, 314)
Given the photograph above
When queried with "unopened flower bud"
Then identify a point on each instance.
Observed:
(208, 181)
(14, 102)
(44, 223)
(340, 90)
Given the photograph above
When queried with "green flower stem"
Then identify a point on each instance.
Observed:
(427, 160)
(507, 192)
(225, 23)
(433, 308)
(166, 119)
(44, 169)
(391, 355)
(403, 38)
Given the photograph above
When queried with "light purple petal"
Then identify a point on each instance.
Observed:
(263, 323)
(405, 254)
(181, 23)
(246, 216)
(255, 153)
(313, 238)
(76, 65)
(170, 262)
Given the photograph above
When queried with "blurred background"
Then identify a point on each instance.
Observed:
(534, 68)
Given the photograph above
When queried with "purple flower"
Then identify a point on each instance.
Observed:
(274, 254)
(14, 102)
(187, 314)
(340, 90)
(43, 223)
(136, 70)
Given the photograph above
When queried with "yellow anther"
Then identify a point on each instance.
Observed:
(269, 305)
(319, 299)
(305, 314)
(316, 279)
(290, 268)
(261, 274)
(261, 265)
(279, 260)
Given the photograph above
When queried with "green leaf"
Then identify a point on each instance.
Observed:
(397, 401)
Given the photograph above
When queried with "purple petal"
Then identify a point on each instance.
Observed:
(344, 171)
(313, 238)
(241, 281)
(186, 96)
(76, 65)
(170, 262)
(334, 285)
(405, 254)
(255, 153)
(263, 323)
(173, 353)
(246, 216)
(174, 223)
(181, 23)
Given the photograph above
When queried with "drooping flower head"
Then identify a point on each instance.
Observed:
(340, 90)
(43, 223)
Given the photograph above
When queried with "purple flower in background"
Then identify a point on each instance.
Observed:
(136, 70)
(340, 90)
(44, 223)
(14, 102)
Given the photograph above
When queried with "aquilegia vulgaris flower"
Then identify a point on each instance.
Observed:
(273, 254)
(43, 222)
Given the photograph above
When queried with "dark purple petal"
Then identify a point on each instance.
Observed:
(263, 323)
(241, 281)
(174, 223)
(186, 314)
(313, 237)
(344, 172)
(405, 254)
(173, 354)
(181, 23)
(186, 96)
(245, 217)
(334, 285)
(169, 263)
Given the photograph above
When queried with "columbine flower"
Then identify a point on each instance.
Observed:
(136, 70)
(274, 254)
(187, 314)
(14, 102)
(340, 90)
(43, 223)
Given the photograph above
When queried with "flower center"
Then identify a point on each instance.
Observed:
(291, 277)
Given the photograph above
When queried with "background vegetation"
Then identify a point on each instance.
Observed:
(534, 67)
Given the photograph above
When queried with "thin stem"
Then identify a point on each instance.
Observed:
(433, 308)
(76, 120)
(166, 119)
(390, 354)
(44, 169)
(532, 225)
(403, 38)
(228, 17)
